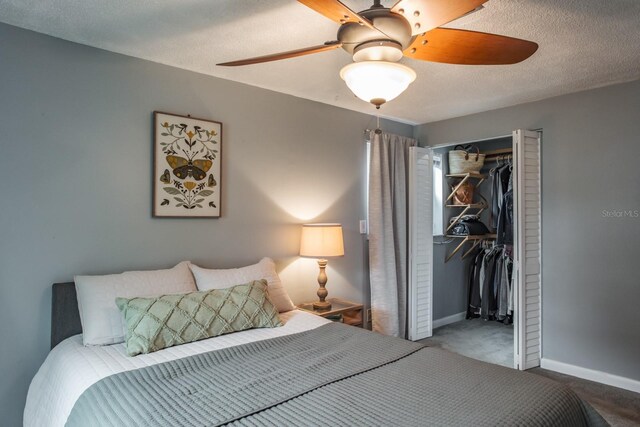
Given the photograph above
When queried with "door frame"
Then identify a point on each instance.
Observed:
(518, 290)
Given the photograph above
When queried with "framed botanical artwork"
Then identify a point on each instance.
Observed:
(186, 173)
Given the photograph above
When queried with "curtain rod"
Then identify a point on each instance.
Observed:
(378, 131)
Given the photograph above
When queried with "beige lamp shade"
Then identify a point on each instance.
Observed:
(321, 240)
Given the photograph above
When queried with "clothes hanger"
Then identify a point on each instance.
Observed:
(496, 167)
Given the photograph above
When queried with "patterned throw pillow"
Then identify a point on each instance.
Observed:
(156, 323)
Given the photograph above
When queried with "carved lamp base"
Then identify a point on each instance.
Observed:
(322, 305)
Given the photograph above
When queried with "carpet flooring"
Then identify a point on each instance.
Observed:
(493, 342)
(487, 341)
(621, 408)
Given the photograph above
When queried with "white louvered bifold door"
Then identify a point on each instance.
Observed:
(420, 243)
(527, 247)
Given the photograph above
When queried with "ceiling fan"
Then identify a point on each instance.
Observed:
(379, 37)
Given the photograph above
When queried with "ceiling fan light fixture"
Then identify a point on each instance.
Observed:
(377, 82)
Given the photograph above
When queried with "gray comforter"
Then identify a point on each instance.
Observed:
(332, 375)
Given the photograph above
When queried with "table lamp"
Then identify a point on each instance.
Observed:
(321, 241)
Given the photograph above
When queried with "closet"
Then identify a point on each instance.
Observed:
(447, 248)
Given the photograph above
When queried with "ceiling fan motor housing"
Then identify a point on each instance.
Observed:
(378, 51)
(366, 44)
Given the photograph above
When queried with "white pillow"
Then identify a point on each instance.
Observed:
(101, 320)
(224, 278)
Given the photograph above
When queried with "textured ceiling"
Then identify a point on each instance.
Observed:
(583, 44)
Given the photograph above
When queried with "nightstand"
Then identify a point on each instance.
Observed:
(341, 311)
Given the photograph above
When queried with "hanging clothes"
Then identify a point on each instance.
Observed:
(500, 177)
(488, 306)
(497, 280)
(505, 288)
(475, 299)
(491, 271)
(491, 285)
(505, 221)
(502, 201)
(509, 282)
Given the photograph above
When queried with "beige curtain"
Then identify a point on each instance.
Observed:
(388, 231)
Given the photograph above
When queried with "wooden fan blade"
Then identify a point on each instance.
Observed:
(284, 55)
(425, 15)
(453, 46)
(336, 11)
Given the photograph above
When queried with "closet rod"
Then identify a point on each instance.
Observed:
(495, 153)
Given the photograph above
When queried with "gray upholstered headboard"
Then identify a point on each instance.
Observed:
(65, 317)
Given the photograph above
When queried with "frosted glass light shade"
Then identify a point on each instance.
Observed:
(321, 240)
(377, 81)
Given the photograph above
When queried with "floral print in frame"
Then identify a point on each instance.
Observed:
(187, 169)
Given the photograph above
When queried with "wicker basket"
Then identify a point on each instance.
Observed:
(465, 159)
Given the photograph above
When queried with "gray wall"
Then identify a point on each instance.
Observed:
(75, 183)
(590, 154)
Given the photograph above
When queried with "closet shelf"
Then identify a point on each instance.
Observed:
(480, 205)
(466, 209)
(467, 175)
(475, 239)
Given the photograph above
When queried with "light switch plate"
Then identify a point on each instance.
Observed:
(363, 226)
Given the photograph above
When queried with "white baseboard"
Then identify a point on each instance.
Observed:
(449, 319)
(591, 374)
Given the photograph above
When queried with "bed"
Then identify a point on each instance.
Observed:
(308, 372)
